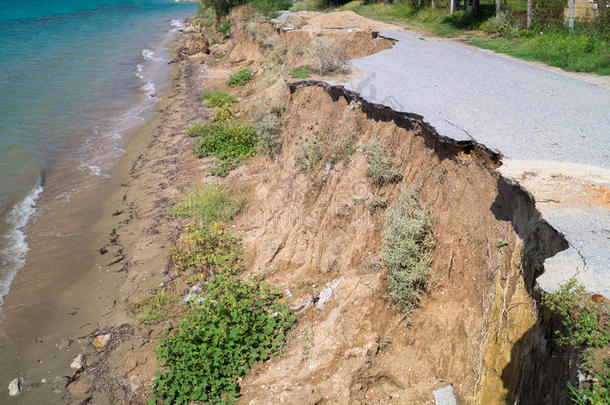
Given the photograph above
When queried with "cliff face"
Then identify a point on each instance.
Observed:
(312, 234)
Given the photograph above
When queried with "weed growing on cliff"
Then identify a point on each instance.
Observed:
(301, 72)
(586, 323)
(380, 165)
(241, 77)
(326, 57)
(213, 347)
(267, 123)
(194, 130)
(377, 203)
(224, 27)
(408, 243)
(210, 203)
(586, 326)
(204, 251)
(153, 307)
(309, 153)
(218, 98)
(228, 142)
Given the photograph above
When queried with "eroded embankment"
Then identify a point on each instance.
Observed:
(478, 328)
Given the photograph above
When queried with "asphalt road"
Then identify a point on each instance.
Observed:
(553, 126)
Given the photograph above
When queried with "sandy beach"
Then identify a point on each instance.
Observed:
(82, 283)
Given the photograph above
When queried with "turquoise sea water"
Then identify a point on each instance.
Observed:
(75, 77)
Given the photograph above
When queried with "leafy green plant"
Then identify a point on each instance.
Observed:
(224, 27)
(586, 323)
(267, 124)
(501, 24)
(204, 251)
(408, 244)
(208, 204)
(377, 203)
(214, 346)
(301, 72)
(309, 153)
(228, 142)
(223, 114)
(241, 77)
(218, 98)
(380, 164)
(153, 307)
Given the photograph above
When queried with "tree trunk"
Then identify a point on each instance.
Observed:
(528, 23)
(571, 21)
(451, 6)
(498, 7)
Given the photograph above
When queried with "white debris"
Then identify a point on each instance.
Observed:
(327, 293)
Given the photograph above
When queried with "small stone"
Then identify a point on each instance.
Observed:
(64, 344)
(15, 387)
(101, 341)
(78, 362)
(135, 382)
(44, 381)
(81, 386)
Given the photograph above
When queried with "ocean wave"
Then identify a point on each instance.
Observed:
(12, 256)
(149, 88)
(147, 54)
(139, 69)
(176, 24)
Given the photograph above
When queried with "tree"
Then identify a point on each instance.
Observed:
(221, 7)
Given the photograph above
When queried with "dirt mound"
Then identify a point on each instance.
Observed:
(341, 20)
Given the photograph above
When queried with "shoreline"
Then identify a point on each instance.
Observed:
(94, 299)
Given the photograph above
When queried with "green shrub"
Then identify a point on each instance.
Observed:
(408, 243)
(194, 130)
(224, 27)
(501, 24)
(327, 58)
(301, 72)
(380, 165)
(377, 203)
(267, 124)
(309, 153)
(223, 114)
(228, 142)
(218, 98)
(210, 203)
(204, 251)
(270, 8)
(549, 12)
(586, 323)
(305, 5)
(220, 7)
(153, 307)
(241, 77)
(214, 346)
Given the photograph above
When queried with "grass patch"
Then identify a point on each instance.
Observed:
(301, 72)
(270, 8)
(380, 165)
(586, 326)
(153, 307)
(218, 98)
(241, 77)
(228, 142)
(408, 243)
(580, 53)
(209, 204)
(309, 153)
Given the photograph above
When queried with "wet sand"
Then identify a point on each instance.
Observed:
(90, 254)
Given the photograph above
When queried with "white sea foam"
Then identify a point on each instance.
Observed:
(149, 88)
(176, 24)
(147, 54)
(139, 69)
(12, 256)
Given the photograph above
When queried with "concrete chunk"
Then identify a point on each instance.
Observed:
(444, 396)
